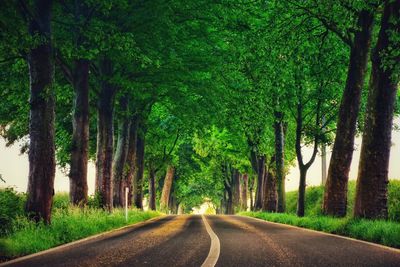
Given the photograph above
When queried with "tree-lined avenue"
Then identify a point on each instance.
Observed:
(183, 241)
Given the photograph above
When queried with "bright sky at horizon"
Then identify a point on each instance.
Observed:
(14, 167)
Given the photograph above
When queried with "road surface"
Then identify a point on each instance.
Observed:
(185, 240)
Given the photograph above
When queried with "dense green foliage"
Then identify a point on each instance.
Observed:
(11, 207)
(217, 91)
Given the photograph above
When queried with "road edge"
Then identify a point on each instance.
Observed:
(325, 233)
(76, 242)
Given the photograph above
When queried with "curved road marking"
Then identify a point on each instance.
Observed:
(213, 254)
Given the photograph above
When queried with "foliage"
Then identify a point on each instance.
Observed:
(11, 207)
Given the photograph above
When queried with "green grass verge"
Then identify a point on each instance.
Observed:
(377, 231)
(314, 198)
(68, 224)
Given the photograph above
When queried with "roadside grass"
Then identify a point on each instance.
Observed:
(377, 231)
(68, 224)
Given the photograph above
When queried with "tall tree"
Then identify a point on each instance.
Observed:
(280, 160)
(121, 154)
(41, 125)
(73, 56)
(335, 196)
(169, 177)
(372, 191)
(105, 135)
(152, 189)
(139, 170)
(244, 191)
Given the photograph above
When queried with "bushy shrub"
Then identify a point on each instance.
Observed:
(61, 201)
(11, 207)
(394, 200)
(94, 201)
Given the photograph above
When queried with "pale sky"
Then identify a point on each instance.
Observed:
(14, 167)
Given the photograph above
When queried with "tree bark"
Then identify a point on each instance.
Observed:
(335, 195)
(271, 194)
(251, 191)
(302, 192)
(121, 154)
(260, 182)
(371, 193)
(139, 170)
(78, 191)
(302, 165)
(243, 191)
(130, 165)
(41, 125)
(152, 189)
(228, 199)
(235, 189)
(173, 204)
(280, 161)
(169, 176)
(105, 136)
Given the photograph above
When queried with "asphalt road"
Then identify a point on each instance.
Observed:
(184, 241)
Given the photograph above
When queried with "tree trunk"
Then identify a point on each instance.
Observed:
(271, 194)
(251, 191)
(105, 136)
(121, 154)
(152, 189)
(302, 165)
(335, 196)
(138, 178)
(235, 189)
(279, 161)
(130, 165)
(323, 164)
(41, 125)
(222, 207)
(173, 204)
(260, 182)
(78, 190)
(371, 193)
(243, 191)
(228, 200)
(302, 192)
(167, 188)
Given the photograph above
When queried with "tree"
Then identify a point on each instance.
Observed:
(169, 176)
(74, 52)
(121, 154)
(371, 193)
(41, 125)
(335, 196)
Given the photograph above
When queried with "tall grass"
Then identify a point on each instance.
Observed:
(69, 223)
(378, 231)
(314, 198)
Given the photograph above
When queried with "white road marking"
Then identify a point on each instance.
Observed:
(213, 254)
